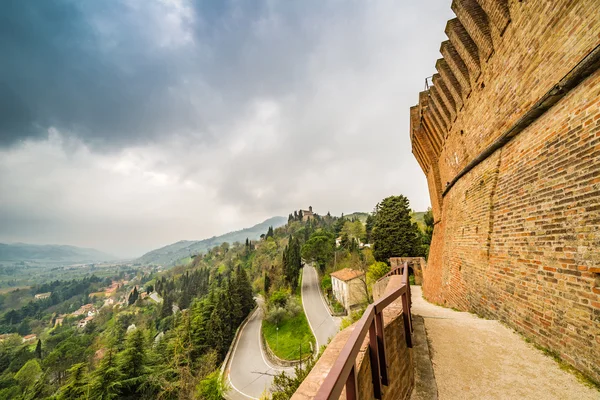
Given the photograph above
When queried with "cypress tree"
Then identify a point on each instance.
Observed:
(394, 234)
(38, 349)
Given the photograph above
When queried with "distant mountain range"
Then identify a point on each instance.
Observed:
(51, 253)
(182, 250)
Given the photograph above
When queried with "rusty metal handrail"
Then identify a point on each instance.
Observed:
(343, 371)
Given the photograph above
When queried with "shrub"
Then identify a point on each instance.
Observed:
(279, 298)
(276, 315)
(377, 270)
(293, 307)
(213, 387)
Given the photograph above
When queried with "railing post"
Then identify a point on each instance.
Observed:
(351, 385)
(374, 358)
(381, 347)
(406, 318)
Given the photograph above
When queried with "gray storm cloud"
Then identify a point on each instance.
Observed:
(127, 125)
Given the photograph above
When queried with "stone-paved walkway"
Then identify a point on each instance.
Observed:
(474, 358)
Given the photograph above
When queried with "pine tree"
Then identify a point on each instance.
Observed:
(217, 328)
(132, 364)
(243, 284)
(104, 383)
(76, 384)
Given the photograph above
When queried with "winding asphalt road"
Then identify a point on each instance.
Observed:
(323, 325)
(249, 372)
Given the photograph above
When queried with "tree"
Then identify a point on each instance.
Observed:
(394, 234)
(270, 233)
(104, 383)
(29, 373)
(75, 387)
(245, 289)
(292, 262)
(319, 248)
(132, 363)
(38, 349)
(213, 387)
(369, 227)
(133, 296)
(428, 233)
(167, 306)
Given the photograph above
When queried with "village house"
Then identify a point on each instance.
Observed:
(85, 309)
(349, 287)
(83, 323)
(29, 338)
(41, 296)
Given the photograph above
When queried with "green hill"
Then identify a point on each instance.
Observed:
(177, 253)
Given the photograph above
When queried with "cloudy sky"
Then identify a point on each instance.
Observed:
(126, 125)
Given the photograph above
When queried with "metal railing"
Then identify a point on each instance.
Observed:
(343, 373)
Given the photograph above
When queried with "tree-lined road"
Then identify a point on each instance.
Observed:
(323, 325)
(250, 373)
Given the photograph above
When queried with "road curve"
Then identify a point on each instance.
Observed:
(323, 325)
(249, 371)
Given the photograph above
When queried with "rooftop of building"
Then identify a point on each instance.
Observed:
(347, 274)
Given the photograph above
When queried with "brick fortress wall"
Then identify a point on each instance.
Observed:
(509, 139)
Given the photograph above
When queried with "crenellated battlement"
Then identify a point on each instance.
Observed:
(508, 135)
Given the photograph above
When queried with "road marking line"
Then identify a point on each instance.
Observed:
(321, 297)
(233, 357)
(305, 313)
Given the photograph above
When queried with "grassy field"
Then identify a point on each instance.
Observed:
(293, 332)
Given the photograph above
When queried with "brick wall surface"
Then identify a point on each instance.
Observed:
(517, 238)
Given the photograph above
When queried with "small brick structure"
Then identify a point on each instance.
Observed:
(416, 265)
(508, 137)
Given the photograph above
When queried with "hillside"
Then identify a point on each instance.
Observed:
(51, 253)
(174, 253)
(362, 216)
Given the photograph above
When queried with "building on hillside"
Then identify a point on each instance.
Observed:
(41, 296)
(85, 309)
(59, 320)
(307, 214)
(83, 323)
(349, 287)
(29, 338)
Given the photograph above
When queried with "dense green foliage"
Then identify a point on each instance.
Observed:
(138, 348)
(165, 333)
(394, 234)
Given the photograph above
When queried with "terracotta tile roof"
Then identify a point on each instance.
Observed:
(347, 274)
